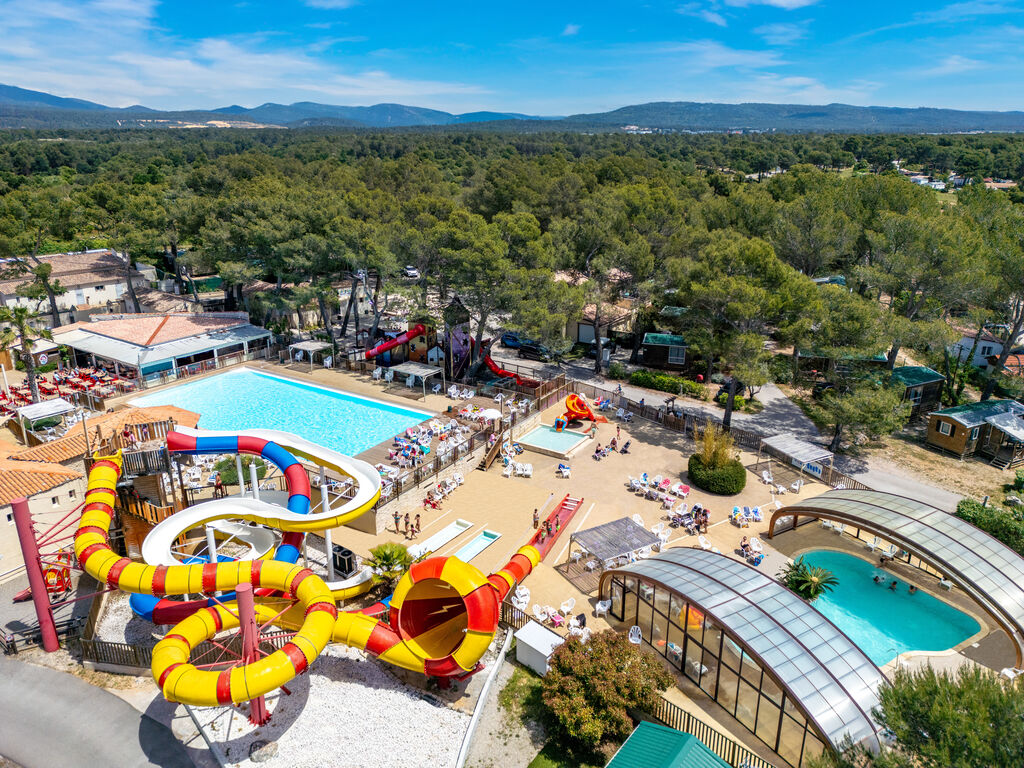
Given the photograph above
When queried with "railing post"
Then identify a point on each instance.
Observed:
(34, 570)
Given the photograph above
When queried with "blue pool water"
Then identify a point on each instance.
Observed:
(548, 437)
(885, 622)
(247, 399)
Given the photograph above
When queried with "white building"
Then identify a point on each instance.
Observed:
(988, 345)
(92, 280)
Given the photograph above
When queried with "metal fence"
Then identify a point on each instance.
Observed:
(734, 753)
(204, 654)
(67, 629)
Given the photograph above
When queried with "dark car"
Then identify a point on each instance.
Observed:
(533, 351)
(607, 347)
(820, 388)
(513, 340)
(724, 388)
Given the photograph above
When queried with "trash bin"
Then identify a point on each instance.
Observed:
(344, 561)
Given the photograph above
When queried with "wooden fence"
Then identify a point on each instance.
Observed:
(734, 753)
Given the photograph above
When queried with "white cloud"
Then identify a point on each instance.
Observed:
(783, 33)
(786, 5)
(949, 14)
(952, 65)
(797, 89)
(112, 51)
(330, 5)
(698, 11)
(710, 54)
(570, 30)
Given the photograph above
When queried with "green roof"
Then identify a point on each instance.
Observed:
(974, 414)
(664, 339)
(915, 375)
(657, 746)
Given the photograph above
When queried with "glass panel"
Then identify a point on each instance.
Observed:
(710, 675)
(731, 653)
(791, 740)
(661, 601)
(727, 684)
(771, 689)
(695, 623)
(616, 609)
(692, 665)
(674, 647)
(812, 747)
(746, 705)
(767, 722)
(751, 671)
(629, 603)
(644, 616)
(646, 591)
(677, 610)
(658, 638)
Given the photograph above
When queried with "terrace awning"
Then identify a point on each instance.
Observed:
(46, 409)
(614, 539)
(799, 451)
(419, 370)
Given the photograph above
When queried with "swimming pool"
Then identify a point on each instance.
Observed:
(885, 622)
(549, 441)
(247, 399)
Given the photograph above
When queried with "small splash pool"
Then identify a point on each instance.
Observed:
(549, 441)
(478, 544)
(885, 622)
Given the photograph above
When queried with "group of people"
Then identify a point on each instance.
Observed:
(612, 447)
(880, 579)
(411, 528)
(548, 529)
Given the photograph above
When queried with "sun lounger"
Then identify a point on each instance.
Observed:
(704, 543)
(767, 477)
(639, 520)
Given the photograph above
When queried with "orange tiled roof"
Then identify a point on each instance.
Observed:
(27, 478)
(75, 270)
(73, 445)
(150, 329)
(1014, 365)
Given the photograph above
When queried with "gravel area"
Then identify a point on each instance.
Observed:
(347, 712)
(117, 623)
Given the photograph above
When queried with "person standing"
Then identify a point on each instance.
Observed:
(618, 432)
(398, 520)
(536, 518)
(407, 525)
(416, 525)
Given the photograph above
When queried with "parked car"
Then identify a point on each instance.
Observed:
(513, 340)
(533, 351)
(411, 271)
(607, 346)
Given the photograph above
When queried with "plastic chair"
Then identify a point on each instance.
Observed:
(602, 606)
(567, 606)
(635, 635)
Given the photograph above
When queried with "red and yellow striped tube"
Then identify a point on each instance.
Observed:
(178, 679)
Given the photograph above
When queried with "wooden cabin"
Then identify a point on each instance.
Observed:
(922, 387)
(991, 428)
(664, 350)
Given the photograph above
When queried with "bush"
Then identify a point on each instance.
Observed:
(617, 371)
(1000, 523)
(726, 480)
(589, 689)
(52, 366)
(664, 382)
(229, 473)
(739, 402)
(1018, 480)
(808, 581)
(780, 368)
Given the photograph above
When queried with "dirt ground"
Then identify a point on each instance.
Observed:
(502, 740)
(969, 477)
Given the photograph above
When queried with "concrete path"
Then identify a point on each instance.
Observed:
(48, 718)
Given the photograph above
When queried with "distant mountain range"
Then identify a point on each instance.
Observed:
(21, 108)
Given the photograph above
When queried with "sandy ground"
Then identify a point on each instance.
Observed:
(501, 739)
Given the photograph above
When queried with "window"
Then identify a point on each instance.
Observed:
(101, 287)
(55, 500)
(974, 433)
(986, 350)
(10, 517)
(677, 355)
(945, 428)
(915, 395)
(71, 493)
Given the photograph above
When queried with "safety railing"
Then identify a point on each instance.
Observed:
(734, 753)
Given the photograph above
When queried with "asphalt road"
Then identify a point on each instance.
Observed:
(48, 718)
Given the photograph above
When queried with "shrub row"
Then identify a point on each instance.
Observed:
(1000, 523)
(738, 401)
(727, 480)
(664, 382)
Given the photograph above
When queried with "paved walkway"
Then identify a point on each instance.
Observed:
(50, 718)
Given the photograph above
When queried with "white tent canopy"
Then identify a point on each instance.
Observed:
(44, 410)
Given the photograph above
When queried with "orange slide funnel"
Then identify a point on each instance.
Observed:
(578, 409)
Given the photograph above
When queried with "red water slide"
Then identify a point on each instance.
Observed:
(402, 338)
(499, 371)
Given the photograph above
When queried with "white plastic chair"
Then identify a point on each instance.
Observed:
(437, 389)
(377, 373)
(874, 544)
(540, 614)
(704, 543)
(635, 635)
(639, 520)
(567, 606)
(602, 606)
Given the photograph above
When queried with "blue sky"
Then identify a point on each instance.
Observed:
(536, 57)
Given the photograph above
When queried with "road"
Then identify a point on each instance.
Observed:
(48, 718)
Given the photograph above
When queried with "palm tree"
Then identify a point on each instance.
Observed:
(389, 561)
(19, 331)
(808, 581)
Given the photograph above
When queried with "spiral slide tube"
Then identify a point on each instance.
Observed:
(402, 338)
(442, 616)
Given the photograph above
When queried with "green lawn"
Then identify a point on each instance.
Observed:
(553, 756)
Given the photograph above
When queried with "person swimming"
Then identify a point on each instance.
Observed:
(879, 579)
(893, 585)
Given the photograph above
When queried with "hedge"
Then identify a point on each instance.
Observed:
(664, 382)
(1000, 523)
(727, 480)
(739, 402)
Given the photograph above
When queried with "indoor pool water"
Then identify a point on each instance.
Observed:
(552, 440)
(247, 399)
(885, 622)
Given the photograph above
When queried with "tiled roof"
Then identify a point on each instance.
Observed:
(610, 313)
(73, 446)
(1014, 365)
(161, 301)
(27, 478)
(150, 329)
(74, 270)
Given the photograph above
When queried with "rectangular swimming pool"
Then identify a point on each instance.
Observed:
(549, 441)
(476, 545)
(246, 399)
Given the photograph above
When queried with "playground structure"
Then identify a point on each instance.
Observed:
(403, 338)
(578, 409)
(440, 620)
